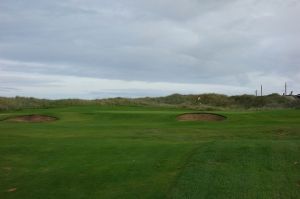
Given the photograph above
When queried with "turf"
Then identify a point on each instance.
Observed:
(139, 152)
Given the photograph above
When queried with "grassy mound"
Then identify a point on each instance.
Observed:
(208, 102)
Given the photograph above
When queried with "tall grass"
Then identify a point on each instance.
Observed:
(204, 102)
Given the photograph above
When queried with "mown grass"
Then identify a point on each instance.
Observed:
(143, 152)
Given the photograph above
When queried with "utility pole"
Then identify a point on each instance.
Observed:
(256, 93)
(261, 90)
(285, 90)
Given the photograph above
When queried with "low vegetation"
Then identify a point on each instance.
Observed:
(199, 102)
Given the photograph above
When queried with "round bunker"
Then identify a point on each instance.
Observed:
(200, 117)
(31, 118)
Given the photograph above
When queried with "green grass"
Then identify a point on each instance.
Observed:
(139, 152)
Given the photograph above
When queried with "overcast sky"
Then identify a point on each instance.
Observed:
(132, 48)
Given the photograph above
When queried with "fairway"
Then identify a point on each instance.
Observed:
(143, 152)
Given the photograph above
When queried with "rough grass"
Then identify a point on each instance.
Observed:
(143, 152)
(210, 102)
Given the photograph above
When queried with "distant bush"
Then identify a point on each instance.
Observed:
(22, 102)
(215, 100)
(248, 101)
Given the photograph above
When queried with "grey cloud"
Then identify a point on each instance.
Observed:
(193, 41)
(8, 89)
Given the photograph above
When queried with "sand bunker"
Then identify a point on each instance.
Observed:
(200, 117)
(32, 118)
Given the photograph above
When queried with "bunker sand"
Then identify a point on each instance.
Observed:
(200, 117)
(32, 118)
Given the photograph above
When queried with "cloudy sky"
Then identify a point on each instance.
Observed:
(132, 48)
